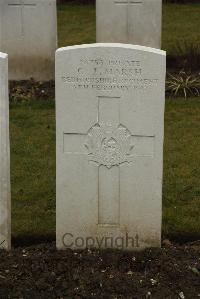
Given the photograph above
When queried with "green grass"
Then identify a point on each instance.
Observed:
(32, 129)
(181, 189)
(180, 23)
(76, 24)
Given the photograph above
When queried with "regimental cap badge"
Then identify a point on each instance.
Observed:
(108, 145)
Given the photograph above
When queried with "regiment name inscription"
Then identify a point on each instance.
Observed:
(111, 74)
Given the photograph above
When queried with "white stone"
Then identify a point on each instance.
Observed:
(110, 128)
(29, 36)
(136, 22)
(5, 202)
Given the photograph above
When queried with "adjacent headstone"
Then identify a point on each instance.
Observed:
(110, 126)
(28, 33)
(5, 209)
(129, 21)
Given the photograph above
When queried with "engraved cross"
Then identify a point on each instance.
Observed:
(110, 145)
(21, 5)
(128, 4)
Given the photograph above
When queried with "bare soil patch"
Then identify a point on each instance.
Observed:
(42, 272)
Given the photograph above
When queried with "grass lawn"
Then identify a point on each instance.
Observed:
(32, 129)
(180, 23)
(181, 189)
(76, 24)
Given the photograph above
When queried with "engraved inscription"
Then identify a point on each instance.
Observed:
(126, 2)
(108, 75)
(108, 145)
(21, 4)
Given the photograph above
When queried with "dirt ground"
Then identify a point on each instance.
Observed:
(39, 271)
(42, 272)
(24, 91)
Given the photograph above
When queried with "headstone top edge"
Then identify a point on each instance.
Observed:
(43, 1)
(3, 55)
(35, 1)
(112, 45)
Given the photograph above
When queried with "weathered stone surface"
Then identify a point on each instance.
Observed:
(29, 36)
(5, 209)
(129, 21)
(110, 126)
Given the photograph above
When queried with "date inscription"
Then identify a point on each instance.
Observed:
(110, 74)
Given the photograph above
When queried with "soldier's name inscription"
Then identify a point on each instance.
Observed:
(110, 74)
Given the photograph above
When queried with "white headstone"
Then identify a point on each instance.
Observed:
(28, 33)
(110, 126)
(5, 209)
(129, 21)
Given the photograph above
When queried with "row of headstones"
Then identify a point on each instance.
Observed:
(110, 128)
(28, 31)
